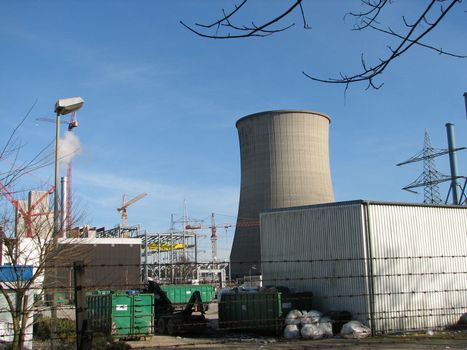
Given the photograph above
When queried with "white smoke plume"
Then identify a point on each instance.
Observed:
(69, 148)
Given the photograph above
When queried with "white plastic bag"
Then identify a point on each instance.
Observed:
(326, 328)
(293, 317)
(291, 332)
(311, 331)
(311, 317)
(355, 330)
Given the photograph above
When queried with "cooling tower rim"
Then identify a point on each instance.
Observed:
(282, 111)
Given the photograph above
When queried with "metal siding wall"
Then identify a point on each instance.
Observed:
(107, 266)
(333, 235)
(427, 298)
(120, 266)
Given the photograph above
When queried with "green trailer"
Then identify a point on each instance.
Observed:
(259, 312)
(179, 294)
(121, 315)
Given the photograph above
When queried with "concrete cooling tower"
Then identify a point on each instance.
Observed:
(284, 163)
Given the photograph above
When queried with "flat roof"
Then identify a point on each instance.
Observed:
(364, 202)
(110, 241)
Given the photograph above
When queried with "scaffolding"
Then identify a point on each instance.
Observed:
(170, 257)
(119, 232)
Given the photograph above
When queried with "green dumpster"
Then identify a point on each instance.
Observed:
(121, 315)
(181, 293)
(259, 312)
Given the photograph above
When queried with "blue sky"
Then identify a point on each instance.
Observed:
(161, 103)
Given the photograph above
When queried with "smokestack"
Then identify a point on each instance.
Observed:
(64, 211)
(452, 162)
(284, 163)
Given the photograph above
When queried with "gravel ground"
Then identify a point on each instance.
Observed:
(215, 339)
(245, 342)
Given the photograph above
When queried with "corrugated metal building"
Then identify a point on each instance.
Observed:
(394, 266)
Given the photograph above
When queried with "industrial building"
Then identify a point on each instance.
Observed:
(284, 162)
(110, 263)
(12, 277)
(395, 267)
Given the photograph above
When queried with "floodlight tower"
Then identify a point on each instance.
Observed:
(62, 107)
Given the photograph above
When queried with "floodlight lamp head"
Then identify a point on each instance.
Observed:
(68, 105)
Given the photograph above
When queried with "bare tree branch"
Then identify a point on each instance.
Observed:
(410, 39)
(225, 18)
(13, 133)
(244, 31)
(369, 17)
(438, 50)
(365, 19)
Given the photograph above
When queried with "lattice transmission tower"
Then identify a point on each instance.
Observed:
(430, 178)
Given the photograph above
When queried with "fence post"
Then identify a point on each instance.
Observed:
(83, 341)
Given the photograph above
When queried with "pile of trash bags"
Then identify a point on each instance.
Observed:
(314, 325)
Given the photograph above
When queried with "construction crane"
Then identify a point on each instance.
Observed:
(213, 227)
(127, 204)
(72, 122)
(26, 213)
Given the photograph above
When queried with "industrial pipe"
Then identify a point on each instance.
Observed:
(465, 99)
(452, 162)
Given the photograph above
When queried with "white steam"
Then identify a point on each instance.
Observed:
(69, 148)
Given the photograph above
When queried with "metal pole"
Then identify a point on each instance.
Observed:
(171, 258)
(452, 162)
(56, 232)
(465, 99)
(145, 257)
(57, 145)
(159, 257)
(196, 250)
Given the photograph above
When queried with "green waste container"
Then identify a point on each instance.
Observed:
(121, 315)
(143, 314)
(259, 312)
(122, 307)
(296, 301)
(251, 312)
(181, 293)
